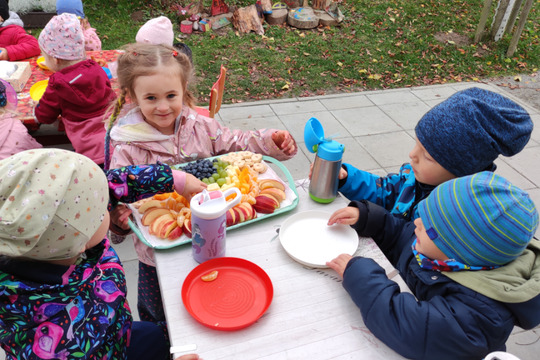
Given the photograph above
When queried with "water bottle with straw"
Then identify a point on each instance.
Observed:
(323, 187)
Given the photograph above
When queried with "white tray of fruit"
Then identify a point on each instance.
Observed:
(164, 221)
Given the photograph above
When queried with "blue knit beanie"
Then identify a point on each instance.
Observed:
(480, 219)
(70, 6)
(466, 132)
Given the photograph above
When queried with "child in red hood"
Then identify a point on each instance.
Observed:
(79, 91)
(15, 43)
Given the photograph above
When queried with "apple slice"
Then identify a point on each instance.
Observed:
(275, 192)
(266, 204)
(271, 183)
(240, 214)
(152, 214)
(166, 228)
(248, 210)
(231, 217)
(150, 204)
(176, 233)
(158, 223)
(187, 228)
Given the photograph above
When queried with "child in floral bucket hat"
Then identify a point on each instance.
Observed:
(79, 92)
(62, 287)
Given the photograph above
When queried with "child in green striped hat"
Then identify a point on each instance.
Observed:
(469, 259)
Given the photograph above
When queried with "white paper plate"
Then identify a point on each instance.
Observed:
(308, 239)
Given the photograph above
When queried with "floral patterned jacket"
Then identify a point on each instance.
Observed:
(49, 311)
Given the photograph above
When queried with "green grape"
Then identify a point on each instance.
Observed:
(204, 180)
(215, 176)
(211, 180)
(221, 181)
(222, 174)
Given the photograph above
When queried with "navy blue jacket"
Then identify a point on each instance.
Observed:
(446, 320)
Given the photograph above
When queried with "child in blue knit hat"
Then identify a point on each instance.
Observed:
(469, 260)
(461, 136)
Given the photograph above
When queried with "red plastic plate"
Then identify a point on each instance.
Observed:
(238, 297)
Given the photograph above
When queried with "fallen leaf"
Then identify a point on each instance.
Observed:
(307, 54)
(517, 78)
(362, 71)
(339, 63)
(285, 87)
(374, 76)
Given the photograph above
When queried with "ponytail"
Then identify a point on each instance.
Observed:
(118, 104)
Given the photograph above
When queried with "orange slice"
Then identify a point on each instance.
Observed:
(211, 276)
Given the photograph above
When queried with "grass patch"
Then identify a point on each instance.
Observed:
(381, 44)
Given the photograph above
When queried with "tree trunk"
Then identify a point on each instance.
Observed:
(246, 19)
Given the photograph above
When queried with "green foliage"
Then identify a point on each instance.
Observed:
(380, 44)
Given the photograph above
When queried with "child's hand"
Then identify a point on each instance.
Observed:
(193, 186)
(339, 264)
(120, 216)
(342, 172)
(346, 216)
(189, 357)
(3, 54)
(284, 141)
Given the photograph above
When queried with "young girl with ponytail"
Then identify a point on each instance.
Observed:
(163, 126)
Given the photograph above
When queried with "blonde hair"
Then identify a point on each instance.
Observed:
(142, 59)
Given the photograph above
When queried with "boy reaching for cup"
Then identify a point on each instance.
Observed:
(461, 136)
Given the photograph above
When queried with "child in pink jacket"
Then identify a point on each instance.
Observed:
(14, 136)
(79, 91)
(91, 39)
(162, 126)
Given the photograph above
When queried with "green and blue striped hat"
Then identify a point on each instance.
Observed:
(480, 219)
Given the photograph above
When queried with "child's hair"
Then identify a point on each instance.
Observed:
(4, 9)
(63, 38)
(52, 201)
(480, 220)
(183, 48)
(141, 59)
(8, 98)
(469, 130)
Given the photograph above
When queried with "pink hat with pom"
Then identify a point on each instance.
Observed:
(156, 31)
(63, 38)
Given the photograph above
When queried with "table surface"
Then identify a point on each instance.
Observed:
(25, 105)
(311, 315)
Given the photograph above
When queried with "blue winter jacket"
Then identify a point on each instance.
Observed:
(446, 320)
(397, 193)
